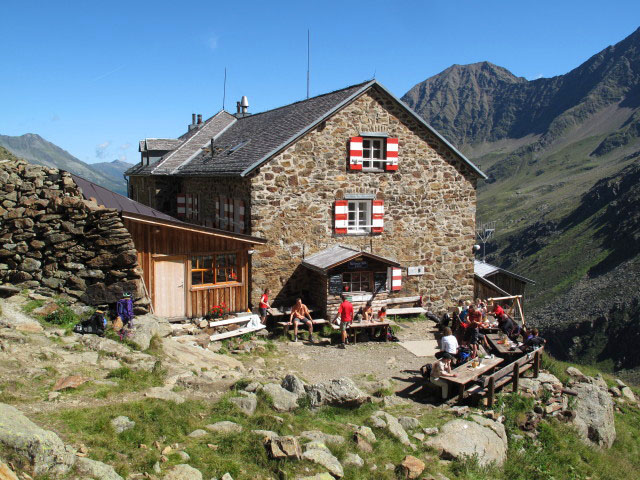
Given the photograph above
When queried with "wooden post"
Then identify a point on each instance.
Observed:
(491, 392)
(536, 363)
(520, 309)
(516, 376)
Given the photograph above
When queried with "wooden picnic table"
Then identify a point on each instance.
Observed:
(354, 326)
(467, 374)
(502, 348)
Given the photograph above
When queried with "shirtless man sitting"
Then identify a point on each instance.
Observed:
(300, 314)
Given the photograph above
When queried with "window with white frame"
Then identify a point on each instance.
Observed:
(373, 153)
(359, 216)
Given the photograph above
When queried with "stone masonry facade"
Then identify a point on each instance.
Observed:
(56, 243)
(429, 202)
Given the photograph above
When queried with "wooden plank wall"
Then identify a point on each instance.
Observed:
(152, 241)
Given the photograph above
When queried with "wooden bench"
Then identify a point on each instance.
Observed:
(511, 373)
(502, 349)
(401, 300)
(355, 326)
(286, 325)
(240, 320)
(405, 311)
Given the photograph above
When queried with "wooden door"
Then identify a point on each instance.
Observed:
(169, 287)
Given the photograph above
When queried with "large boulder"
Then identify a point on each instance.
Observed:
(594, 418)
(341, 393)
(460, 439)
(247, 404)
(282, 447)
(41, 449)
(293, 384)
(198, 357)
(146, 327)
(283, 400)
(96, 470)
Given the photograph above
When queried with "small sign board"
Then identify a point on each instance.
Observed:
(335, 284)
(361, 298)
(358, 264)
(415, 270)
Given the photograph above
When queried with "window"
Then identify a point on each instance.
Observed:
(356, 282)
(214, 269)
(372, 154)
(359, 216)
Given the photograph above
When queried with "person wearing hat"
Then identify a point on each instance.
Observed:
(442, 368)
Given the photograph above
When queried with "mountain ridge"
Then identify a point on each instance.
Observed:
(36, 149)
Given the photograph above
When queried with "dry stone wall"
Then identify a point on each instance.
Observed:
(57, 243)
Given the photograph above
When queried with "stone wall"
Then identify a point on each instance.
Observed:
(58, 244)
(430, 204)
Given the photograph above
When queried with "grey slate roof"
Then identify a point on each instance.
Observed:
(483, 270)
(337, 254)
(265, 132)
(114, 200)
(242, 145)
(159, 144)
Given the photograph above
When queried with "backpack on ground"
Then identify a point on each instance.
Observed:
(463, 355)
(95, 325)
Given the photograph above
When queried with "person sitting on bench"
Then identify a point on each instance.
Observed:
(442, 368)
(300, 314)
(448, 342)
(534, 340)
(367, 312)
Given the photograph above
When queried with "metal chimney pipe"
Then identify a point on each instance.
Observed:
(238, 107)
(244, 103)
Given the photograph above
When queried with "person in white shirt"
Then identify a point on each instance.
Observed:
(449, 343)
(442, 368)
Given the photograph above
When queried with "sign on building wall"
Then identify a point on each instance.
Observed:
(415, 270)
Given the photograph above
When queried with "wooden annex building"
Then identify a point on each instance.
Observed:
(187, 269)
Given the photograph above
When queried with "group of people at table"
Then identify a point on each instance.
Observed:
(301, 316)
(460, 343)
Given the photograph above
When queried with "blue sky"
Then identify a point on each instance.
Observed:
(96, 77)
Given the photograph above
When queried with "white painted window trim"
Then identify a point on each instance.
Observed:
(354, 206)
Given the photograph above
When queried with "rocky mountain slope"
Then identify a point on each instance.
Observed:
(36, 149)
(562, 154)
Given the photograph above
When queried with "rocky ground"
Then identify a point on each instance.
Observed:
(159, 405)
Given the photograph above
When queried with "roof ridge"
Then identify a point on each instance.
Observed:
(306, 99)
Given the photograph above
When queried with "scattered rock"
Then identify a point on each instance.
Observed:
(387, 421)
(198, 357)
(409, 423)
(122, 423)
(164, 394)
(353, 459)
(227, 476)
(146, 327)
(46, 309)
(223, 427)
(283, 447)
(431, 431)
(96, 470)
(246, 404)
(198, 433)
(43, 450)
(318, 436)
(576, 374)
(628, 393)
(293, 384)
(615, 391)
(461, 438)
(265, 434)
(283, 400)
(366, 433)
(183, 472)
(53, 396)
(594, 418)
(30, 327)
(419, 436)
(319, 476)
(6, 473)
(184, 456)
(411, 467)
(341, 392)
(326, 459)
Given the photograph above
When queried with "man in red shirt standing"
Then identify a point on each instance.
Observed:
(345, 312)
(264, 304)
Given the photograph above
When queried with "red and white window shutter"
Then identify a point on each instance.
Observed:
(377, 216)
(340, 216)
(395, 278)
(181, 199)
(392, 154)
(355, 153)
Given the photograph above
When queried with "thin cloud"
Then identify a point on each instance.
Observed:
(122, 158)
(110, 72)
(124, 146)
(101, 150)
(212, 42)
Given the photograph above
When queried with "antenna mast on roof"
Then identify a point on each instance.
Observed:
(224, 88)
(484, 232)
(308, 59)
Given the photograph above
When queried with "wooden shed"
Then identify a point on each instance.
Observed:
(491, 281)
(187, 269)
